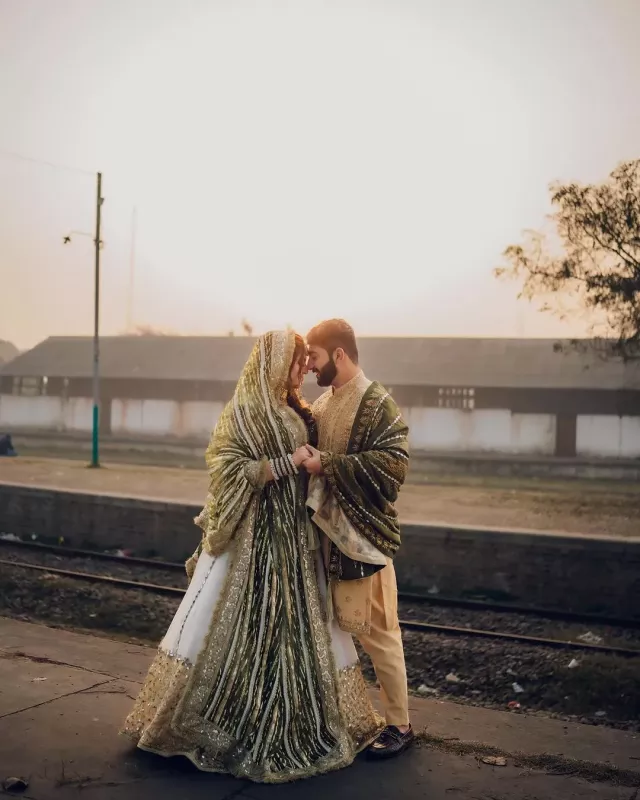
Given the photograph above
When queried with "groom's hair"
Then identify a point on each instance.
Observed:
(334, 333)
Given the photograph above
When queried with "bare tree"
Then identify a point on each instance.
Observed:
(597, 263)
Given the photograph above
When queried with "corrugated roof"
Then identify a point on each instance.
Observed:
(525, 363)
(165, 357)
(8, 351)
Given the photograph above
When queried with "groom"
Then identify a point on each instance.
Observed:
(356, 474)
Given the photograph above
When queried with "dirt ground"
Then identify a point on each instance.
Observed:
(589, 507)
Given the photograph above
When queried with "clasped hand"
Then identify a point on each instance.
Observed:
(309, 458)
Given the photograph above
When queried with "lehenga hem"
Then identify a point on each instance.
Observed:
(274, 778)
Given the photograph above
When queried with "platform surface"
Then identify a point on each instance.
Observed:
(63, 696)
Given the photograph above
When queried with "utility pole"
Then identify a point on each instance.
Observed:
(95, 455)
(132, 270)
(95, 450)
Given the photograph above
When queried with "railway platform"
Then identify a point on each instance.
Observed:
(63, 696)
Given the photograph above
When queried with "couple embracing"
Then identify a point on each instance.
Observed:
(258, 675)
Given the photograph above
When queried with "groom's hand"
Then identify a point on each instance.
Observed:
(313, 465)
(301, 455)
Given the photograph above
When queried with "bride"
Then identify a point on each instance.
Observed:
(250, 679)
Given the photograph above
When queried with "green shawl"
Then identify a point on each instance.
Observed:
(366, 480)
(255, 426)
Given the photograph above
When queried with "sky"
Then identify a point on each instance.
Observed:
(289, 162)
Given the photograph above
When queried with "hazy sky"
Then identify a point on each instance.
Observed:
(292, 161)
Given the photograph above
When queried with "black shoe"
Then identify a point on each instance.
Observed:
(391, 742)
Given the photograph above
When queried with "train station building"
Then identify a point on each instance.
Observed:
(524, 397)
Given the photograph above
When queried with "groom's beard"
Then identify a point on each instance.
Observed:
(327, 374)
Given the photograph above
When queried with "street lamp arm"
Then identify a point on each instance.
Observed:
(67, 239)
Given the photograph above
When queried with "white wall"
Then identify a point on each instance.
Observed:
(46, 413)
(600, 435)
(31, 412)
(77, 414)
(198, 418)
(480, 431)
(434, 429)
(146, 417)
(164, 417)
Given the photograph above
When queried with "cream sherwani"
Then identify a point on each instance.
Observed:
(367, 607)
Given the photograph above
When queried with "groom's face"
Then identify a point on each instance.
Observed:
(322, 365)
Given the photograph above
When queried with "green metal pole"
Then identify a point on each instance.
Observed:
(95, 450)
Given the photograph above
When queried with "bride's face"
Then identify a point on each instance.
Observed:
(298, 371)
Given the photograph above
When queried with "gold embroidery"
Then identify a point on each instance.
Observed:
(166, 718)
(335, 413)
(352, 604)
(256, 472)
(363, 721)
(149, 722)
(351, 626)
(211, 740)
(190, 565)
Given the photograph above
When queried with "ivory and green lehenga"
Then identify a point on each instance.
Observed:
(251, 679)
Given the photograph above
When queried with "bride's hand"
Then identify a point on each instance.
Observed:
(301, 455)
(313, 464)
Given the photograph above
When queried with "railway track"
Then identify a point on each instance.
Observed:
(413, 625)
(71, 552)
(434, 600)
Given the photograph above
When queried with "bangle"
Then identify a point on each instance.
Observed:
(282, 467)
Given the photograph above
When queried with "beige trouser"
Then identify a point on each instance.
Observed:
(383, 645)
